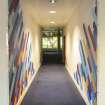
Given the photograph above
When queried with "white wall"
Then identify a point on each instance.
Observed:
(4, 77)
(74, 32)
(36, 45)
(31, 26)
(34, 31)
(101, 52)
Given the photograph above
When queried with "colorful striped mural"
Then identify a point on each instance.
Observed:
(21, 68)
(86, 73)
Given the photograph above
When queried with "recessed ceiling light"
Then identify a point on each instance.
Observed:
(52, 1)
(52, 22)
(52, 12)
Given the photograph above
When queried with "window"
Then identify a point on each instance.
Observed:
(50, 42)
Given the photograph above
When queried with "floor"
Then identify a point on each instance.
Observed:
(53, 86)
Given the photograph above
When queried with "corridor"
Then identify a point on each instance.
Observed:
(52, 32)
(36, 33)
(53, 86)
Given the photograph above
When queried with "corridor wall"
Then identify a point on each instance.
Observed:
(31, 25)
(101, 53)
(81, 49)
(23, 64)
(4, 89)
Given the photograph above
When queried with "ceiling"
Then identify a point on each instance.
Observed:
(37, 11)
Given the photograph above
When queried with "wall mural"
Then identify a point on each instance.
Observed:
(22, 70)
(86, 73)
(21, 67)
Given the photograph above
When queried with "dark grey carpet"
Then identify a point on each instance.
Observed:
(53, 86)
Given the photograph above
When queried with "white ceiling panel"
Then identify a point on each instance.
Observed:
(38, 11)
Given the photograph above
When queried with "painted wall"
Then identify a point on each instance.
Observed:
(35, 35)
(4, 86)
(77, 60)
(36, 46)
(101, 53)
(31, 26)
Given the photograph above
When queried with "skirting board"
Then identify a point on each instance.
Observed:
(26, 90)
(81, 92)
